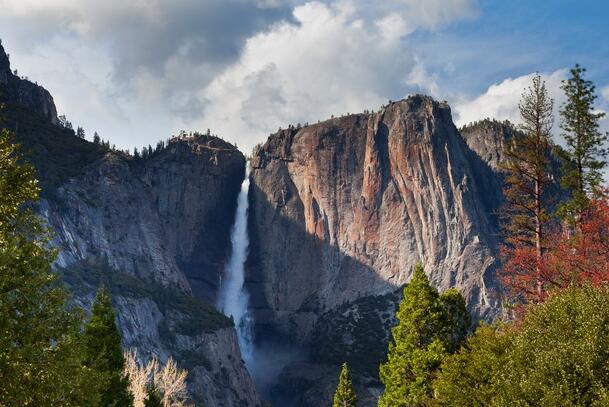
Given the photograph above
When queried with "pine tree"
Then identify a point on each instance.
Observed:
(429, 327)
(344, 395)
(103, 353)
(526, 211)
(153, 399)
(39, 356)
(585, 152)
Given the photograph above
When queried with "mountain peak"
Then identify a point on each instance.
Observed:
(23, 93)
(5, 65)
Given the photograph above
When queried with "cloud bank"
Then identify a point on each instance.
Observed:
(137, 71)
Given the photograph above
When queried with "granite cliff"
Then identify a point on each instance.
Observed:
(341, 211)
(345, 208)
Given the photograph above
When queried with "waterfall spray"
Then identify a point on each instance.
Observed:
(233, 299)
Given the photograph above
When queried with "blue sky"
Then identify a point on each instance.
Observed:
(516, 37)
(137, 72)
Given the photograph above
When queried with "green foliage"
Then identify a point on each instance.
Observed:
(430, 327)
(103, 353)
(344, 395)
(585, 152)
(558, 355)
(39, 352)
(470, 377)
(153, 399)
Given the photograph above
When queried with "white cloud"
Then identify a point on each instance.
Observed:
(326, 63)
(500, 101)
(605, 93)
(138, 71)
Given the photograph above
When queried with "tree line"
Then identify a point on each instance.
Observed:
(552, 346)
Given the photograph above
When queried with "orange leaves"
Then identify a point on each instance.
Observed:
(573, 256)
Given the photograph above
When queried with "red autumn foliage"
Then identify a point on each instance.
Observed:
(573, 256)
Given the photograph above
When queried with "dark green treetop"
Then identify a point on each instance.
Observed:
(39, 354)
(585, 152)
(153, 399)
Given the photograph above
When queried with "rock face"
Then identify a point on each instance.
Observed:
(24, 92)
(346, 208)
(166, 217)
(154, 230)
(342, 210)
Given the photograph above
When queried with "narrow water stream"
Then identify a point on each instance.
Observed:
(233, 298)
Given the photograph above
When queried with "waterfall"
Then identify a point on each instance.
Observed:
(233, 299)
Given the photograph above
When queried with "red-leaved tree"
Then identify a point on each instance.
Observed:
(573, 257)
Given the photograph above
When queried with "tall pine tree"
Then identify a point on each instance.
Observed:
(527, 165)
(344, 395)
(39, 356)
(103, 353)
(430, 326)
(585, 152)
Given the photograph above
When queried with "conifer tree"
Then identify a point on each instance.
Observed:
(103, 354)
(39, 356)
(429, 327)
(153, 399)
(585, 152)
(526, 211)
(344, 395)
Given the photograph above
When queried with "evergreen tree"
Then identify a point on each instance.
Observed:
(344, 395)
(585, 152)
(103, 353)
(527, 165)
(39, 356)
(96, 138)
(153, 399)
(80, 132)
(429, 327)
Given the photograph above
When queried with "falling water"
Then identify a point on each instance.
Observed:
(234, 298)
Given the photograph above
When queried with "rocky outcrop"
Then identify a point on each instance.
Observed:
(23, 92)
(347, 207)
(488, 139)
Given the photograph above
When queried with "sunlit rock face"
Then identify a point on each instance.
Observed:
(346, 208)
